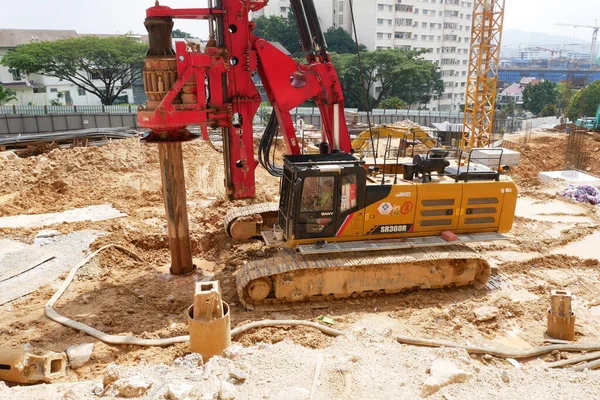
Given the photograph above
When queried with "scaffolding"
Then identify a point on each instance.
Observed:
(484, 58)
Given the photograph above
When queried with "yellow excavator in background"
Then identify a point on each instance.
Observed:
(410, 135)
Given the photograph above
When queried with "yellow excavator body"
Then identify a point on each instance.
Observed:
(344, 231)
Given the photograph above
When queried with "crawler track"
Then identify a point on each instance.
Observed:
(290, 280)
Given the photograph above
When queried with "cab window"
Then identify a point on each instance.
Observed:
(317, 205)
(317, 194)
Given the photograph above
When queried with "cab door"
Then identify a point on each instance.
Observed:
(351, 217)
(318, 206)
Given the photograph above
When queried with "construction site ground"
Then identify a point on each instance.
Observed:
(554, 244)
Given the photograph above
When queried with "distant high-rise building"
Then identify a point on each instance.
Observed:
(275, 8)
(441, 27)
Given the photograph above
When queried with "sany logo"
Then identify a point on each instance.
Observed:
(385, 208)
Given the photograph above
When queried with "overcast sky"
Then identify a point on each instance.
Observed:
(122, 16)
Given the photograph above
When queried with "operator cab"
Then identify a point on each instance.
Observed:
(318, 192)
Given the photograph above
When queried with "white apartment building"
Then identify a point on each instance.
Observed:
(441, 27)
(275, 8)
(40, 90)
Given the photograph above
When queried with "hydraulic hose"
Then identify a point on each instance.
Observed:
(266, 149)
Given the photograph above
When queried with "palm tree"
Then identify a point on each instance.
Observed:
(5, 96)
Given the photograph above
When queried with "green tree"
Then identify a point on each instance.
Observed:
(509, 108)
(278, 29)
(6, 95)
(388, 73)
(393, 103)
(285, 31)
(536, 97)
(179, 34)
(348, 72)
(549, 111)
(104, 67)
(339, 41)
(566, 92)
(584, 102)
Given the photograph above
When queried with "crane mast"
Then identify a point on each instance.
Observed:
(484, 58)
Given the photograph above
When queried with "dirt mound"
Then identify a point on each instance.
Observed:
(547, 153)
(125, 173)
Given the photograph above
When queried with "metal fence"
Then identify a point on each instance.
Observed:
(46, 110)
(24, 124)
(38, 119)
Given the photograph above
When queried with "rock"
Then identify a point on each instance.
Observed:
(485, 313)
(488, 357)
(260, 253)
(80, 354)
(97, 389)
(196, 376)
(556, 355)
(134, 386)
(443, 373)
(111, 374)
(47, 233)
(8, 155)
(238, 374)
(171, 298)
(293, 393)
(233, 351)
(189, 360)
(178, 391)
(227, 391)
(505, 377)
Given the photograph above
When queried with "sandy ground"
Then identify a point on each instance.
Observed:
(553, 245)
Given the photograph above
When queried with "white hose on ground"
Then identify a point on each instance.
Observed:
(417, 341)
(132, 340)
(285, 322)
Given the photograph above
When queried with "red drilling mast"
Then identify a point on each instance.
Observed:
(214, 88)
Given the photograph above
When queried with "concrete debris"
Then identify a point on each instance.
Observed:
(443, 373)
(97, 389)
(485, 313)
(134, 386)
(179, 391)
(189, 360)
(227, 391)
(233, 351)
(47, 233)
(111, 374)
(238, 374)
(79, 355)
(8, 155)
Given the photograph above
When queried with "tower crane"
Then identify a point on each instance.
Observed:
(595, 28)
(482, 82)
